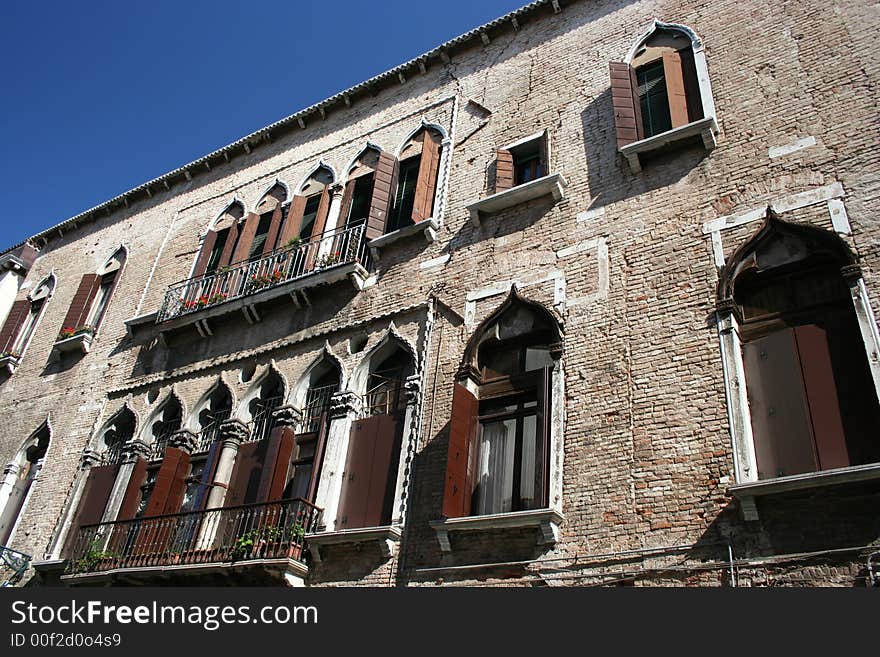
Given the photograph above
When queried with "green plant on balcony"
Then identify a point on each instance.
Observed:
(327, 260)
(258, 281)
(253, 544)
(291, 244)
(95, 553)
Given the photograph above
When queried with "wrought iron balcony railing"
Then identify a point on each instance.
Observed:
(269, 530)
(284, 265)
(13, 565)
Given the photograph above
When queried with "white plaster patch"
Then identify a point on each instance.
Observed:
(793, 147)
(580, 247)
(589, 215)
(503, 287)
(434, 262)
(839, 218)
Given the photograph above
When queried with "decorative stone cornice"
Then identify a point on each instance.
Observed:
(343, 404)
(135, 449)
(412, 388)
(89, 458)
(233, 432)
(287, 416)
(184, 440)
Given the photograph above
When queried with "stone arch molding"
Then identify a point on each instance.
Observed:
(315, 169)
(144, 434)
(20, 455)
(297, 395)
(192, 418)
(275, 183)
(97, 442)
(365, 149)
(242, 412)
(423, 125)
(236, 201)
(390, 339)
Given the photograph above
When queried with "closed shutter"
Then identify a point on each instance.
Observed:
(82, 301)
(246, 239)
(207, 479)
(92, 502)
(625, 100)
(244, 485)
(274, 230)
(294, 220)
(675, 91)
(205, 254)
(503, 170)
(168, 490)
(383, 190)
(276, 464)
(318, 461)
(132, 496)
(461, 461)
(16, 318)
(427, 179)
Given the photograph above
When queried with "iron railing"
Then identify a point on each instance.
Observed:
(13, 565)
(317, 403)
(263, 421)
(281, 266)
(211, 431)
(268, 530)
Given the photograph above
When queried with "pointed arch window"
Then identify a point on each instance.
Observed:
(309, 208)
(19, 477)
(217, 410)
(166, 423)
(20, 324)
(414, 180)
(220, 241)
(92, 298)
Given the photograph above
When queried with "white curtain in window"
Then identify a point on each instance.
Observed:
(497, 451)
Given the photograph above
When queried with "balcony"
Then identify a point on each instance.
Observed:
(267, 537)
(13, 566)
(337, 256)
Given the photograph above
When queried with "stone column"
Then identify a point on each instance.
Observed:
(232, 434)
(336, 192)
(131, 452)
(10, 476)
(412, 391)
(344, 408)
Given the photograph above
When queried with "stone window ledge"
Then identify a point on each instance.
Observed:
(81, 342)
(387, 536)
(747, 492)
(552, 185)
(141, 321)
(706, 128)
(429, 227)
(9, 363)
(546, 521)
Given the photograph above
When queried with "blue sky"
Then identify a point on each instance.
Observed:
(99, 97)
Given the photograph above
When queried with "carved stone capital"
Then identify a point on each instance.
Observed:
(343, 404)
(412, 388)
(135, 449)
(287, 416)
(89, 458)
(184, 440)
(11, 469)
(233, 433)
(467, 371)
(337, 189)
(556, 350)
(851, 273)
(727, 306)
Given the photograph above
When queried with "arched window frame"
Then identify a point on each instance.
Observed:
(22, 472)
(21, 324)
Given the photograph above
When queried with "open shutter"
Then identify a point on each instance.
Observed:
(170, 483)
(462, 456)
(82, 301)
(276, 464)
(691, 85)
(14, 321)
(503, 170)
(294, 220)
(347, 195)
(427, 179)
(321, 215)
(207, 479)
(205, 254)
(274, 230)
(318, 461)
(383, 191)
(229, 246)
(93, 502)
(625, 99)
(244, 485)
(132, 496)
(675, 91)
(243, 248)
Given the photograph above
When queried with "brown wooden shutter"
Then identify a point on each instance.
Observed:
(627, 108)
(318, 460)
(82, 301)
(244, 484)
(346, 202)
(246, 240)
(321, 215)
(16, 318)
(387, 170)
(274, 230)
(675, 91)
(132, 496)
(205, 254)
(207, 479)
(229, 246)
(294, 220)
(276, 465)
(691, 84)
(503, 170)
(92, 502)
(462, 456)
(170, 483)
(427, 179)
(370, 474)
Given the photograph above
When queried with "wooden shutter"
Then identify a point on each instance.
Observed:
(274, 230)
(691, 85)
(205, 254)
(207, 479)
(16, 318)
(675, 91)
(82, 301)
(92, 502)
(427, 179)
(318, 460)
(503, 170)
(627, 108)
(229, 245)
(370, 474)
(346, 202)
(387, 170)
(276, 464)
(461, 461)
(294, 220)
(246, 240)
(132, 496)
(244, 485)
(170, 484)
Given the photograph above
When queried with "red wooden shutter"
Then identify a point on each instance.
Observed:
(627, 108)
(318, 460)
(205, 254)
(229, 245)
(503, 170)
(92, 502)
(243, 248)
(462, 457)
(321, 215)
(274, 230)
(82, 301)
(675, 92)
(168, 490)
(244, 484)
(132, 496)
(294, 220)
(14, 321)
(346, 202)
(691, 85)
(276, 464)
(383, 193)
(427, 179)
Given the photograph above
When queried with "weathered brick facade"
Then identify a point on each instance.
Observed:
(628, 262)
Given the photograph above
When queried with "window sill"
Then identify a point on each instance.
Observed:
(9, 363)
(706, 128)
(388, 537)
(80, 343)
(134, 324)
(546, 521)
(429, 227)
(747, 492)
(553, 184)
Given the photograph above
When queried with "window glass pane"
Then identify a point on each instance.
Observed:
(217, 251)
(405, 196)
(103, 299)
(309, 215)
(502, 361)
(299, 485)
(531, 456)
(494, 492)
(652, 95)
(537, 358)
(27, 330)
(360, 201)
